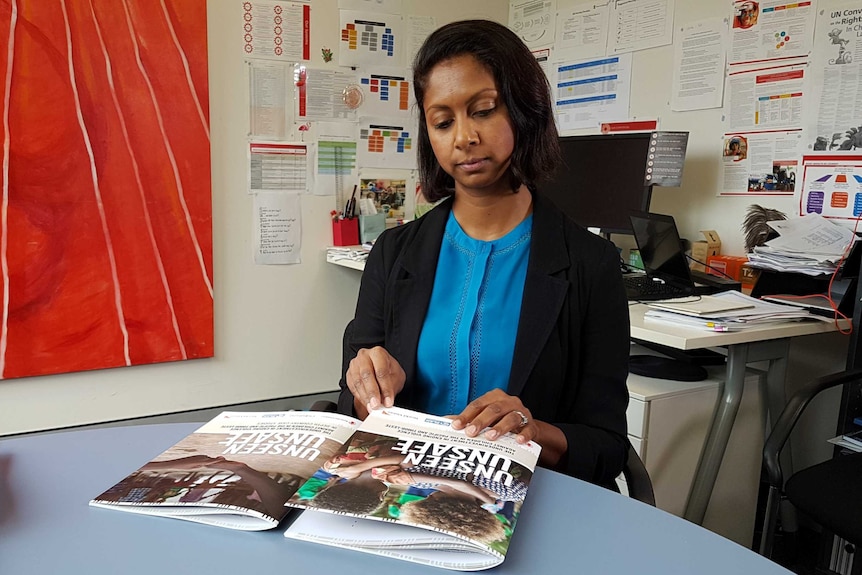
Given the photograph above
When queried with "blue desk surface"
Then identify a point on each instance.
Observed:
(47, 527)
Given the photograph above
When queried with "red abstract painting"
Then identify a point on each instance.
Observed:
(106, 219)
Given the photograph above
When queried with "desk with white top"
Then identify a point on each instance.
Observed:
(47, 527)
(765, 343)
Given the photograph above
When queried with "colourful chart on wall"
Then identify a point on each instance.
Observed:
(336, 163)
(384, 144)
(831, 186)
(370, 39)
(386, 94)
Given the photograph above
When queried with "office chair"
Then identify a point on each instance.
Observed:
(830, 493)
(637, 478)
(324, 405)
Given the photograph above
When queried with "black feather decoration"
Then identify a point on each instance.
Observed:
(757, 232)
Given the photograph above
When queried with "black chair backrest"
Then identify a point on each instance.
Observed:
(637, 478)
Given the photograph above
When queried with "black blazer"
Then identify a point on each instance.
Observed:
(571, 352)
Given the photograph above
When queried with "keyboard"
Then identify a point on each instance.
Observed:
(643, 288)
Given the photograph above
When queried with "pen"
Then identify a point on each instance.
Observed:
(686, 321)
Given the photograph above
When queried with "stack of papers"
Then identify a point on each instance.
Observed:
(725, 311)
(351, 253)
(811, 245)
(851, 441)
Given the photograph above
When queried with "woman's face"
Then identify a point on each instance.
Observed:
(469, 126)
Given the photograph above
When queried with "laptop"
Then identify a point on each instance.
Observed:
(667, 274)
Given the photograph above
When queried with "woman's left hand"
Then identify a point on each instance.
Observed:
(501, 413)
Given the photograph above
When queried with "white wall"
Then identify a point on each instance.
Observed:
(695, 204)
(278, 328)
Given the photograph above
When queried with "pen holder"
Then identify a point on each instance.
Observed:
(345, 232)
(371, 226)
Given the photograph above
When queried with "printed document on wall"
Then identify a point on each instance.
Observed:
(336, 159)
(370, 39)
(835, 119)
(543, 57)
(831, 186)
(277, 228)
(391, 6)
(417, 28)
(640, 24)
(324, 94)
(533, 21)
(269, 109)
(699, 58)
(773, 30)
(278, 166)
(386, 92)
(766, 98)
(384, 143)
(589, 92)
(276, 30)
(582, 31)
(760, 163)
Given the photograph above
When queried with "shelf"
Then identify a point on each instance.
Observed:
(332, 257)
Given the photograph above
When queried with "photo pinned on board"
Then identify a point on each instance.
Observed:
(745, 14)
(735, 148)
(388, 195)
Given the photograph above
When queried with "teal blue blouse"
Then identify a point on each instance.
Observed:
(468, 338)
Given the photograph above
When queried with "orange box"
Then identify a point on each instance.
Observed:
(723, 266)
(748, 276)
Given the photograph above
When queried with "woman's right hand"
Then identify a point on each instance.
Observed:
(374, 378)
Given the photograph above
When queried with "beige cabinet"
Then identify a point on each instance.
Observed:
(667, 425)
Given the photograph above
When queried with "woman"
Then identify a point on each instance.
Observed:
(493, 307)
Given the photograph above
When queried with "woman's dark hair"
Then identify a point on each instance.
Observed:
(523, 88)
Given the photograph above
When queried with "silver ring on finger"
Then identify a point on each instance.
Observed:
(524, 419)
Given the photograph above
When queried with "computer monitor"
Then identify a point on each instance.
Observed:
(602, 180)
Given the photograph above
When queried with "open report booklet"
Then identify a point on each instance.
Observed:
(235, 471)
(406, 485)
(401, 484)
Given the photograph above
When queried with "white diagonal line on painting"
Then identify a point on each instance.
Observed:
(180, 193)
(185, 61)
(4, 210)
(118, 298)
(146, 212)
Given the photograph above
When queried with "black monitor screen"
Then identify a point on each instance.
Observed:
(601, 180)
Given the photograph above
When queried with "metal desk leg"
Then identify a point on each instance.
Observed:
(719, 433)
(776, 400)
(776, 396)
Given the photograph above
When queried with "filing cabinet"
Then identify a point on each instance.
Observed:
(667, 425)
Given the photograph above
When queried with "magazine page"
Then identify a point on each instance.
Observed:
(236, 471)
(454, 500)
